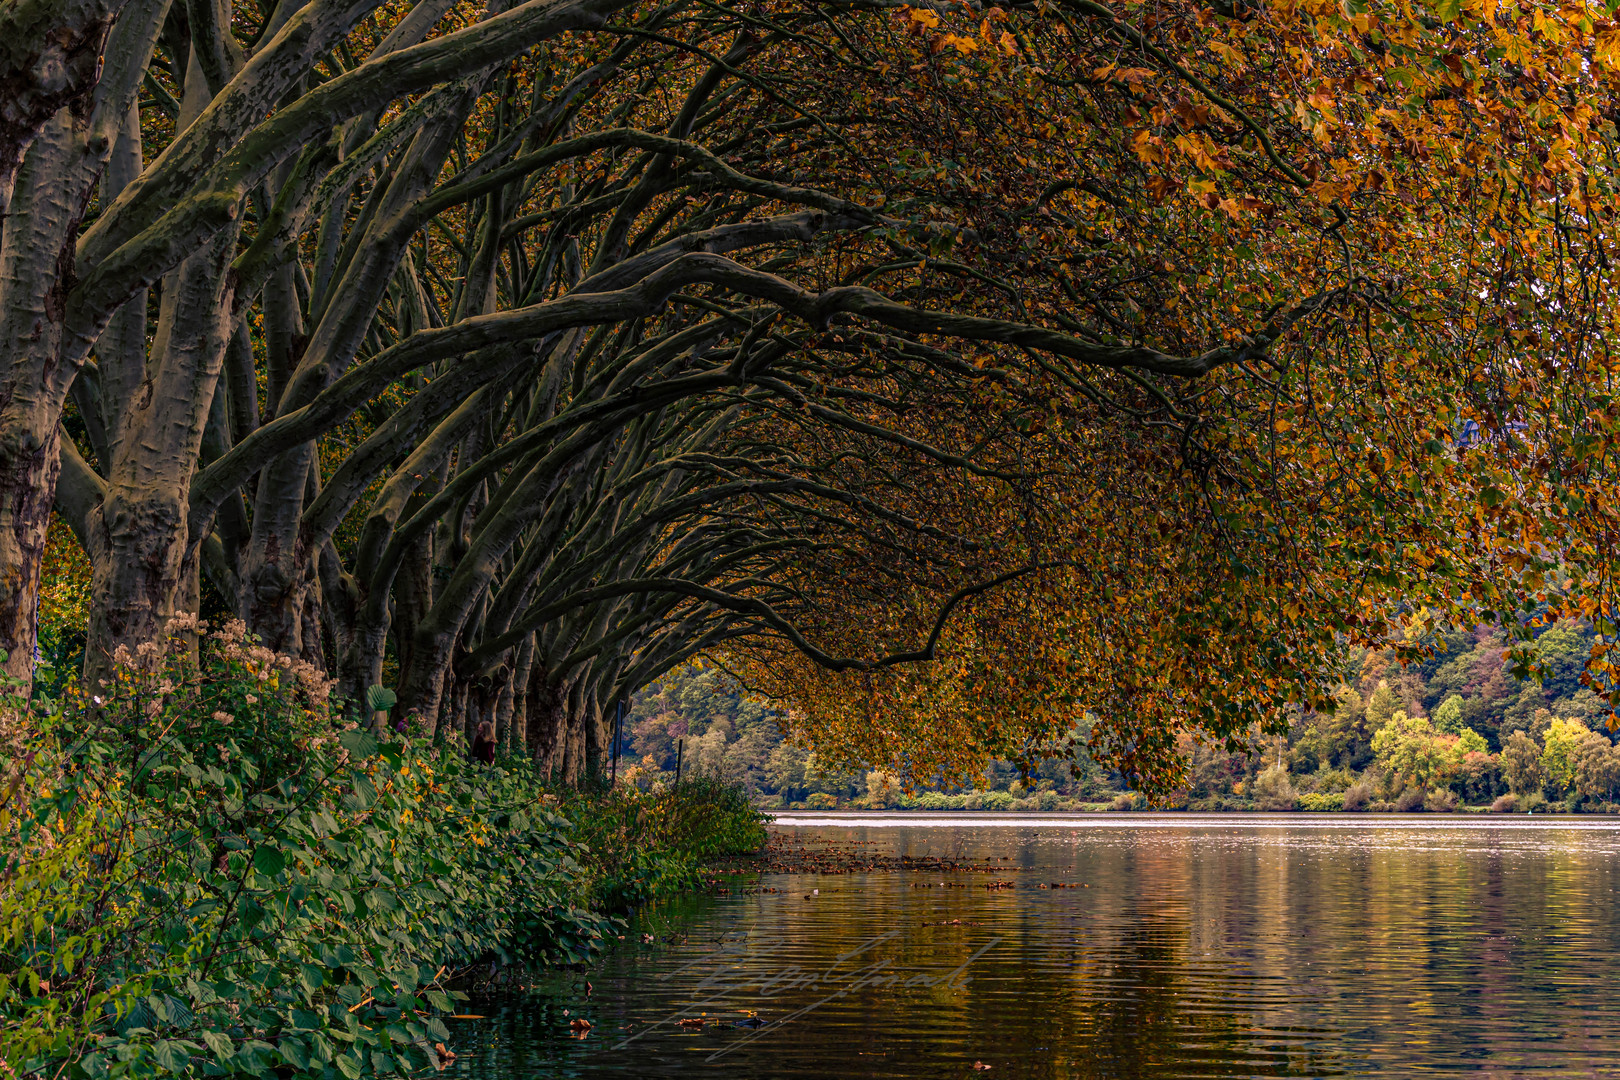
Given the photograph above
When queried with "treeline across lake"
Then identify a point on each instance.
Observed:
(1458, 730)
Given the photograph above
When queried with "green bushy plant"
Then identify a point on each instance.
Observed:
(1272, 790)
(641, 845)
(207, 874)
(1322, 802)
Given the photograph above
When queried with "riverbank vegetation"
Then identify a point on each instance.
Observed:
(207, 870)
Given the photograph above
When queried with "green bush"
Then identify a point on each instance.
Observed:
(638, 846)
(997, 800)
(1322, 802)
(204, 874)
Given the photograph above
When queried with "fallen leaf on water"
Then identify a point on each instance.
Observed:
(982, 1065)
(579, 1023)
(468, 1016)
(691, 1021)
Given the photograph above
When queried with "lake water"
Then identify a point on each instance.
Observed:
(1181, 945)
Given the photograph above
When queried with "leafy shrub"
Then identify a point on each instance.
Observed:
(205, 873)
(1321, 802)
(1532, 802)
(1049, 800)
(933, 800)
(820, 800)
(1440, 801)
(1410, 800)
(1273, 791)
(1123, 801)
(997, 800)
(1505, 804)
(1357, 797)
(1332, 780)
(641, 845)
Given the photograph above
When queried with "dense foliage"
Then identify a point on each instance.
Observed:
(1458, 728)
(1118, 359)
(206, 874)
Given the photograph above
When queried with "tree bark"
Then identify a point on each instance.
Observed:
(141, 554)
(35, 273)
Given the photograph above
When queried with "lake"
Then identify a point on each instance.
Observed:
(1173, 945)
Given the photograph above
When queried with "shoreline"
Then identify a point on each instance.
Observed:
(997, 817)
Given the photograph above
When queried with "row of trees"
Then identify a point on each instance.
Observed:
(1395, 737)
(950, 370)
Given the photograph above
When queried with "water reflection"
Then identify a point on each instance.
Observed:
(1202, 947)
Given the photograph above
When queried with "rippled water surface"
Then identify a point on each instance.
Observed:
(1188, 945)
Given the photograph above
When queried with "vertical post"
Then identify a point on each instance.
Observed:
(680, 748)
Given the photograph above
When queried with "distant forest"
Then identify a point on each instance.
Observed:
(1456, 730)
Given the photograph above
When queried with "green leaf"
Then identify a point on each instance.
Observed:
(269, 861)
(310, 978)
(357, 742)
(379, 698)
(171, 1055)
(295, 1052)
(219, 1043)
(348, 1065)
(1448, 10)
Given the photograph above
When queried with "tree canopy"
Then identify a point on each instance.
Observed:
(948, 370)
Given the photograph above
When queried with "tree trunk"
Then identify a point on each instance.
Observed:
(141, 555)
(29, 462)
(35, 274)
(544, 728)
